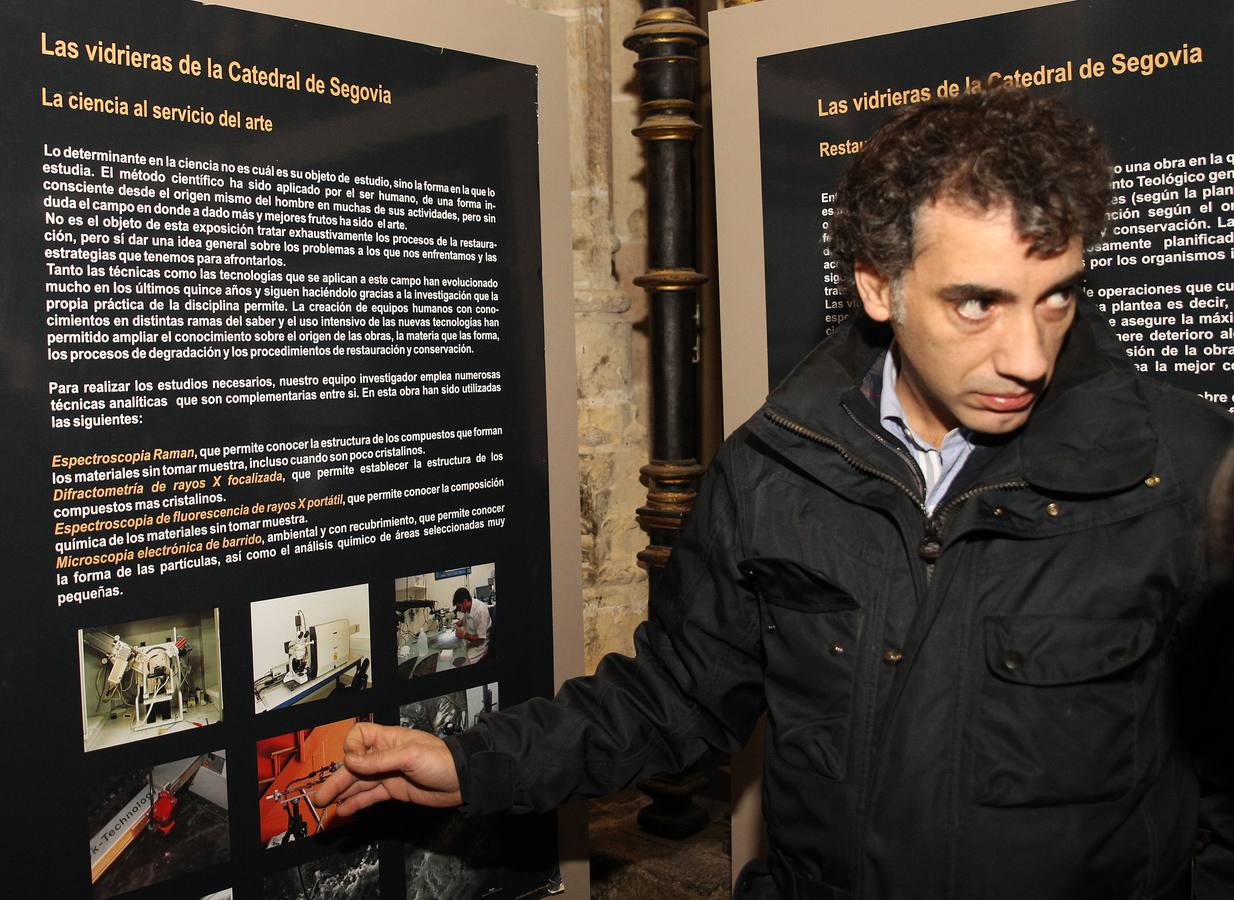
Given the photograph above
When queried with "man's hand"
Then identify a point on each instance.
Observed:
(385, 762)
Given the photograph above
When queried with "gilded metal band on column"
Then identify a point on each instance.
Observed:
(667, 38)
(671, 280)
(668, 127)
(668, 105)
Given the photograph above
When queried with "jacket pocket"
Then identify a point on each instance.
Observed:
(1057, 720)
(811, 634)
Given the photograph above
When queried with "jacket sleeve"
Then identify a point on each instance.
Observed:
(695, 682)
(1213, 873)
(1210, 699)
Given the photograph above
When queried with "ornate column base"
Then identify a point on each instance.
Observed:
(672, 486)
(672, 812)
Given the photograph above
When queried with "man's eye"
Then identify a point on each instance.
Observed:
(975, 308)
(1060, 299)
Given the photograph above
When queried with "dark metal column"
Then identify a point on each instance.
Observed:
(667, 39)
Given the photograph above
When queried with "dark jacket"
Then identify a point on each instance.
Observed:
(995, 701)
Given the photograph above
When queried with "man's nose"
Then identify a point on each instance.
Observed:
(1021, 353)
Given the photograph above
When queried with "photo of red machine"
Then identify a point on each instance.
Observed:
(158, 822)
(290, 767)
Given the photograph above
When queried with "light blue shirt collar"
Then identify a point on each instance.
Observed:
(939, 465)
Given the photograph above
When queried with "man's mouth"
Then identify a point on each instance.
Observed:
(1007, 403)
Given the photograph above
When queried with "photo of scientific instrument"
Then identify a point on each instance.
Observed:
(307, 646)
(157, 823)
(451, 713)
(158, 673)
(296, 792)
(445, 619)
(290, 768)
(145, 678)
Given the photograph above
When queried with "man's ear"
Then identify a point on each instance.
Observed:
(875, 291)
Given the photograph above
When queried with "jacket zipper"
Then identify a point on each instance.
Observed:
(899, 451)
(810, 434)
(1015, 484)
(931, 545)
(932, 540)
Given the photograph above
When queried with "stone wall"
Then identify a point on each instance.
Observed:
(608, 214)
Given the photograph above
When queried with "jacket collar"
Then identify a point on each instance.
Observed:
(1089, 434)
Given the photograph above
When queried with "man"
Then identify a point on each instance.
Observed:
(955, 558)
(473, 624)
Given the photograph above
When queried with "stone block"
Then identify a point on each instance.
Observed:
(600, 300)
(606, 424)
(602, 352)
(610, 629)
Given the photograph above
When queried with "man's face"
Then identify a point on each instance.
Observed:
(978, 321)
(465, 606)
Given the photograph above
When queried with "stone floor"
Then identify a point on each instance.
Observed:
(630, 864)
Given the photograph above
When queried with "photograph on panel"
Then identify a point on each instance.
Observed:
(445, 619)
(463, 861)
(151, 824)
(307, 646)
(290, 768)
(449, 713)
(145, 678)
(337, 876)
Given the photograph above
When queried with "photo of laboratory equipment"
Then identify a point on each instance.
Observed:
(450, 713)
(445, 619)
(290, 768)
(146, 678)
(307, 646)
(152, 824)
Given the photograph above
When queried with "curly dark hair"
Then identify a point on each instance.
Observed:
(1003, 145)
